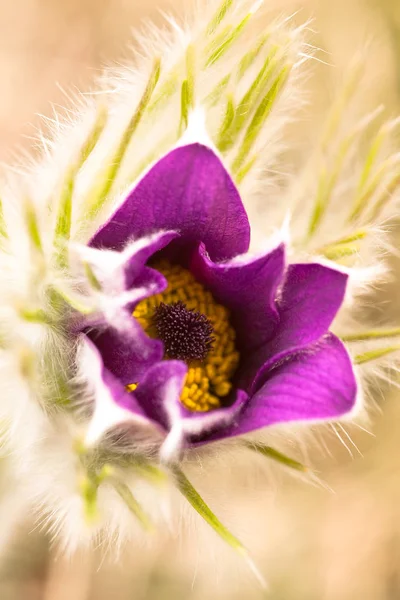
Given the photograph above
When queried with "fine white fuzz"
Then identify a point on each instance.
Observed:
(233, 78)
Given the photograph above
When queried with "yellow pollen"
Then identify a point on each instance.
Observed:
(131, 387)
(210, 380)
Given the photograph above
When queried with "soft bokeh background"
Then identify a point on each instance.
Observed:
(311, 542)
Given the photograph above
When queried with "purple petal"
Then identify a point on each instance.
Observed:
(127, 352)
(248, 289)
(126, 349)
(142, 250)
(311, 296)
(148, 283)
(188, 191)
(115, 310)
(162, 384)
(113, 404)
(315, 384)
(159, 394)
(119, 272)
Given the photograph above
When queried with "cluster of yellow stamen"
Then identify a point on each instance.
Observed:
(209, 380)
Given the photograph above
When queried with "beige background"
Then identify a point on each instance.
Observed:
(313, 544)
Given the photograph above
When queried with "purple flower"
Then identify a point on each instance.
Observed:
(212, 342)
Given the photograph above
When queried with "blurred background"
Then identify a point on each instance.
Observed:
(338, 542)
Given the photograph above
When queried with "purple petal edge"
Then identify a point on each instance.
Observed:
(247, 287)
(188, 191)
(313, 385)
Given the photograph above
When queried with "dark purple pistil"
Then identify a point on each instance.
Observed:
(187, 334)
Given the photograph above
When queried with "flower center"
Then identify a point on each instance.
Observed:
(186, 333)
(196, 329)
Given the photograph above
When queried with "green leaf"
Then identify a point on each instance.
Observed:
(249, 58)
(241, 174)
(226, 123)
(100, 193)
(327, 182)
(371, 157)
(194, 498)
(218, 90)
(360, 234)
(371, 355)
(184, 106)
(89, 488)
(365, 195)
(244, 108)
(64, 217)
(340, 251)
(166, 90)
(350, 86)
(219, 16)
(144, 467)
(35, 316)
(190, 75)
(187, 90)
(125, 493)
(345, 246)
(375, 334)
(370, 179)
(259, 118)
(384, 197)
(276, 455)
(92, 279)
(60, 294)
(32, 225)
(228, 40)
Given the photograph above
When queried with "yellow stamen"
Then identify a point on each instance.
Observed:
(131, 387)
(210, 380)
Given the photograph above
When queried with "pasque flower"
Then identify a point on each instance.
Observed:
(220, 342)
(133, 344)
